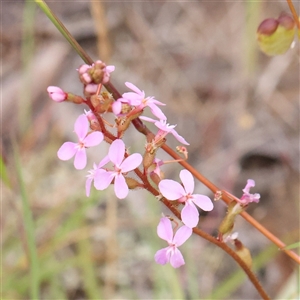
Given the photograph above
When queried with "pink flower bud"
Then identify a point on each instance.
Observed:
(268, 26)
(56, 93)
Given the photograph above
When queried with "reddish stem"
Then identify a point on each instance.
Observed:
(294, 13)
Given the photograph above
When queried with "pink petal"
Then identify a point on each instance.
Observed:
(162, 256)
(121, 188)
(81, 127)
(203, 202)
(103, 179)
(190, 215)
(131, 162)
(116, 152)
(188, 181)
(103, 162)
(133, 88)
(93, 139)
(147, 119)
(179, 138)
(88, 185)
(133, 98)
(165, 230)
(154, 101)
(181, 235)
(250, 184)
(176, 259)
(171, 189)
(67, 151)
(157, 111)
(110, 68)
(91, 88)
(164, 126)
(80, 159)
(117, 107)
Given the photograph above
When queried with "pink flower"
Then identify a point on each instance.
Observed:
(247, 197)
(164, 129)
(56, 93)
(85, 140)
(137, 98)
(172, 190)
(171, 253)
(121, 166)
(93, 173)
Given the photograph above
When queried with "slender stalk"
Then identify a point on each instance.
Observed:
(294, 13)
(64, 31)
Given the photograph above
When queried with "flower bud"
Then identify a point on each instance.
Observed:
(227, 223)
(155, 178)
(243, 252)
(286, 21)
(268, 26)
(148, 159)
(275, 36)
(132, 183)
(56, 94)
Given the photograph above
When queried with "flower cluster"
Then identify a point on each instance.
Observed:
(117, 165)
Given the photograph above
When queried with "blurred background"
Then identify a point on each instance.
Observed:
(238, 108)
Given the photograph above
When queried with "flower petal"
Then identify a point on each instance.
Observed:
(165, 230)
(80, 159)
(203, 202)
(88, 185)
(67, 151)
(157, 111)
(81, 127)
(93, 139)
(103, 162)
(133, 98)
(250, 184)
(133, 88)
(131, 162)
(117, 107)
(147, 119)
(162, 256)
(190, 215)
(103, 179)
(171, 189)
(181, 235)
(121, 188)
(116, 152)
(176, 259)
(188, 181)
(179, 138)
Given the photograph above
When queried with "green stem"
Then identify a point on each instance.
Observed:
(29, 230)
(64, 31)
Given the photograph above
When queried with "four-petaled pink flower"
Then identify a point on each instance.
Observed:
(171, 253)
(85, 140)
(247, 197)
(116, 155)
(172, 190)
(56, 93)
(137, 98)
(164, 129)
